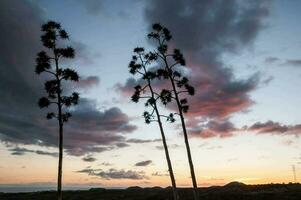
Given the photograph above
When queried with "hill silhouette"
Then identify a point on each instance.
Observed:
(231, 191)
(235, 184)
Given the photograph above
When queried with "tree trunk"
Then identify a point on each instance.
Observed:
(59, 178)
(194, 182)
(60, 172)
(170, 170)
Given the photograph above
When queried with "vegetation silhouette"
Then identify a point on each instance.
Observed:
(52, 33)
(141, 64)
(170, 68)
(232, 191)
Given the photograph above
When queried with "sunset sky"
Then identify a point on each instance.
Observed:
(243, 58)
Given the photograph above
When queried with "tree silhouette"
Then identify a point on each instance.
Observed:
(52, 33)
(172, 67)
(140, 64)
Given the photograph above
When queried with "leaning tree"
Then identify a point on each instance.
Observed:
(141, 64)
(171, 69)
(49, 63)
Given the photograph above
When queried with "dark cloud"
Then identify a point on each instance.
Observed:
(270, 60)
(127, 88)
(213, 26)
(93, 7)
(89, 159)
(274, 128)
(122, 144)
(267, 80)
(159, 174)
(83, 54)
(99, 133)
(54, 154)
(224, 128)
(88, 82)
(141, 141)
(143, 163)
(87, 171)
(293, 62)
(205, 30)
(21, 151)
(100, 128)
(106, 164)
(100, 8)
(213, 128)
(21, 121)
(115, 174)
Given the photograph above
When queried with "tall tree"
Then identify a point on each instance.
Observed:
(140, 64)
(172, 69)
(52, 37)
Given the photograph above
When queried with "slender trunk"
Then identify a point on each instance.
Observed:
(194, 182)
(171, 174)
(170, 170)
(59, 177)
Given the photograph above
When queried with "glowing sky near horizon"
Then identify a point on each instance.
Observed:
(108, 31)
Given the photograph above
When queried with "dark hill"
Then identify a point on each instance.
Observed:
(235, 184)
(231, 191)
(134, 188)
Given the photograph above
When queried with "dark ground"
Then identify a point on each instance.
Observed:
(231, 191)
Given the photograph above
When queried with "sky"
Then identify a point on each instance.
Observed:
(242, 57)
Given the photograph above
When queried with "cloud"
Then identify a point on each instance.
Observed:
(173, 146)
(214, 147)
(87, 170)
(54, 154)
(274, 128)
(100, 132)
(93, 7)
(141, 141)
(88, 82)
(159, 174)
(293, 62)
(100, 128)
(101, 8)
(267, 80)
(143, 163)
(115, 174)
(89, 158)
(21, 121)
(205, 31)
(288, 142)
(83, 54)
(122, 144)
(127, 88)
(270, 60)
(106, 164)
(224, 129)
(21, 151)
(213, 128)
